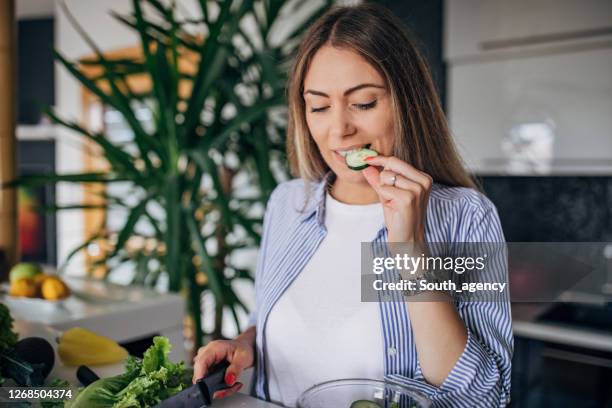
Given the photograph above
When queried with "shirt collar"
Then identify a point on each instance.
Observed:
(316, 202)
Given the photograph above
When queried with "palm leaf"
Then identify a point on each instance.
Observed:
(172, 197)
(156, 66)
(128, 228)
(115, 155)
(213, 58)
(247, 115)
(79, 248)
(142, 139)
(300, 28)
(207, 263)
(206, 164)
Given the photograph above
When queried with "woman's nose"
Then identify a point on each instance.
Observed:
(340, 125)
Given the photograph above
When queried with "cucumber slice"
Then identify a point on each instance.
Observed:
(355, 160)
(364, 404)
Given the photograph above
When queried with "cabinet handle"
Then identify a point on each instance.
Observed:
(545, 38)
(577, 357)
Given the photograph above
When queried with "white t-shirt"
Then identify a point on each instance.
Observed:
(319, 329)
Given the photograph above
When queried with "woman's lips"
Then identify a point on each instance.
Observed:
(338, 157)
(348, 149)
(342, 159)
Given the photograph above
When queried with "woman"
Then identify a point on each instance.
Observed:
(359, 80)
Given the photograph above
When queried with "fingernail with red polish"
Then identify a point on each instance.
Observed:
(230, 379)
(368, 158)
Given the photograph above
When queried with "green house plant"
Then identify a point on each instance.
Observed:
(185, 166)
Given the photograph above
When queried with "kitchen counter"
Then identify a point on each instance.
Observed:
(28, 329)
(122, 313)
(118, 312)
(243, 401)
(526, 323)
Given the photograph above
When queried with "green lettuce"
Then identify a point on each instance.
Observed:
(8, 337)
(57, 383)
(10, 365)
(103, 392)
(145, 383)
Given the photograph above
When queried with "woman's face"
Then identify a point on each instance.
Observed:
(347, 107)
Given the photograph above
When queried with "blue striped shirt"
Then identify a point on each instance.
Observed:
(293, 229)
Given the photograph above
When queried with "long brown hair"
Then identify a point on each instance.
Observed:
(422, 136)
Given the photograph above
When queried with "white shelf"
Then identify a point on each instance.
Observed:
(36, 132)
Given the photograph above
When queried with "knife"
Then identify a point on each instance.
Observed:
(198, 395)
(86, 376)
(201, 393)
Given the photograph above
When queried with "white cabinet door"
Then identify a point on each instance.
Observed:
(482, 28)
(545, 114)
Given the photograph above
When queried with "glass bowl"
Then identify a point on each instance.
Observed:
(343, 393)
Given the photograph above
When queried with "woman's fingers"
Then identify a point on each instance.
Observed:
(239, 356)
(401, 167)
(239, 360)
(228, 391)
(392, 179)
(371, 174)
(209, 355)
(384, 191)
(403, 192)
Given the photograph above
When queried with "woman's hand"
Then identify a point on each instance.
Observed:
(240, 354)
(404, 193)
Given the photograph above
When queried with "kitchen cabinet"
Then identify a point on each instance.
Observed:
(554, 375)
(545, 114)
(560, 360)
(477, 29)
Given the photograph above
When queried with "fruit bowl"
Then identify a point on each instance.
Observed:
(362, 393)
(35, 303)
(29, 282)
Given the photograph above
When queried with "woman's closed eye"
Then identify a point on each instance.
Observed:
(366, 106)
(315, 110)
(361, 106)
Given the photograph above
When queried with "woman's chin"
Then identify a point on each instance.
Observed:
(348, 175)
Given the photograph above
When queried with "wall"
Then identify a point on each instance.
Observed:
(34, 8)
(425, 20)
(565, 208)
(109, 34)
(530, 90)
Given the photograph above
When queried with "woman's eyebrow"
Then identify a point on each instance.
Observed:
(348, 91)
